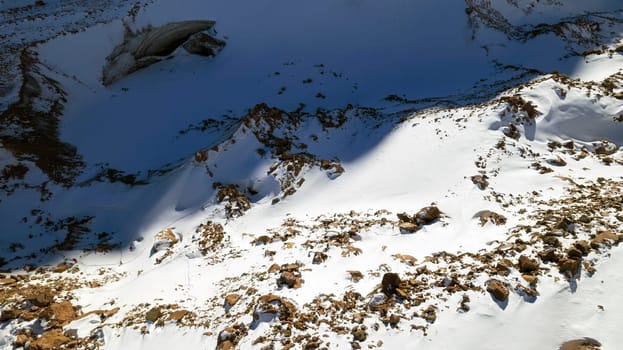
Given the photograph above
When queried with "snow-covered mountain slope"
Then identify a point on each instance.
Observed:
(370, 174)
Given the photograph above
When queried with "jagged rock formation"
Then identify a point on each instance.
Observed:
(144, 48)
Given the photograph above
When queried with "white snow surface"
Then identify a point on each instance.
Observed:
(396, 157)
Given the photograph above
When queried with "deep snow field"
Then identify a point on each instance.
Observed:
(342, 174)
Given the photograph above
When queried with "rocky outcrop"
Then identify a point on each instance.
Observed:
(144, 48)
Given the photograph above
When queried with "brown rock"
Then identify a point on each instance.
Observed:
(530, 279)
(274, 268)
(63, 312)
(359, 333)
(390, 282)
(21, 340)
(355, 275)
(604, 238)
(393, 320)
(429, 314)
(42, 298)
(62, 267)
(9, 314)
(50, 340)
(289, 279)
(574, 253)
(480, 181)
(527, 265)
(401, 293)
(498, 289)
(404, 217)
(549, 255)
(428, 215)
(408, 227)
(551, 240)
(569, 267)
(7, 282)
(581, 344)
(177, 315)
(464, 306)
(319, 258)
(564, 224)
(583, 246)
(232, 299)
(486, 216)
(153, 314)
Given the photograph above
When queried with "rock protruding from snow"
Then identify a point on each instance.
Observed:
(164, 240)
(144, 48)
(581, 344)
(412, 223)
(498, 289)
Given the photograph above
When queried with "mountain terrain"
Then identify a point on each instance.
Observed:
(332, 174)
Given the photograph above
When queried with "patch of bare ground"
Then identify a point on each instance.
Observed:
(41, 303)
(29, 128)
(276, 130)
(236, 203)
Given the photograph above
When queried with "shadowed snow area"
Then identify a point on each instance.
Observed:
(328, 174)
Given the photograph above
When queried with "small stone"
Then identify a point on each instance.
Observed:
(564, 224)
(62, 267)
(359, 333)
(464, 306)
(569, 267)
(42, 298)
(355, 275)
(583, 246)
(177, 315)
(604, 238)
(498, 289)
(232, 299)
(274, 268)
(401, 293)
(63, 312)
(480, 181)
(7, 282)
(574, 253)
(289, 279)
(319, 258)
(408, 227)
(153, 314)
(393, 320)
(429, 314)
(549, 255)
(530, 279)
(487, 216)
(527, 265)
(390, 282)
(50, 340)
(551, 240)
(9, 314)
(21, 340)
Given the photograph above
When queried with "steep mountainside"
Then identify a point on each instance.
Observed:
(330, 174)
